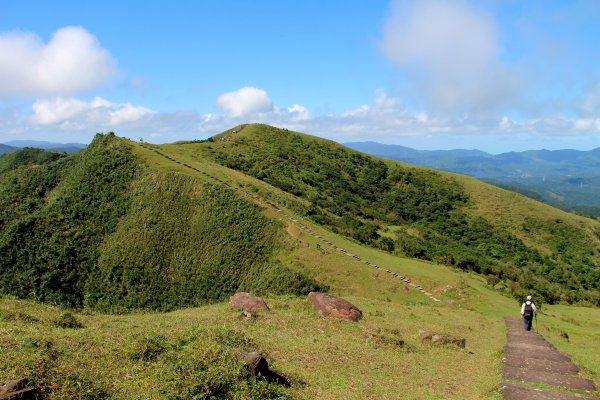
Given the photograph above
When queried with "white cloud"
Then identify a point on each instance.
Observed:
(71, 62)
(245, 101)
(422, 117)
(505, 123)
(97, 114)
(384, 120)
(451, 53)
(298, 112)
(588, 124)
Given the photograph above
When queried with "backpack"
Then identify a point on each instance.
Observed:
(528, 312)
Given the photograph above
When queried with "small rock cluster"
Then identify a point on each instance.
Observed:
(327, 305)
(427, 336)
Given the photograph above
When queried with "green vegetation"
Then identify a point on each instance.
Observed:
(92, 229)
(117, 228)
(581, 209)
(28, 156)
(67, 320)
(50, 238)
(209, 245)
(116, 358)
(360, 196)
(194, 352)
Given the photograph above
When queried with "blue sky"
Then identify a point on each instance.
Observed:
(429, 74)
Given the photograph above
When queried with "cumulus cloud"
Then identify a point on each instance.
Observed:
(98, 114)
(245, 101)
(450, 52)
(71, 62)
(384, 119)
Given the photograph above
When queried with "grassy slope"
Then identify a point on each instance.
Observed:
(510, 209)
(93, 230)
(561, 261)
(323, 358)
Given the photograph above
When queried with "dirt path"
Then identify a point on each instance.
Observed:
(530, 362)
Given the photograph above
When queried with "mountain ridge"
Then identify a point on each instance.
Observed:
(567, 179)
(414, 212)
(343, 188)
(168, 212)
(6, 148)
(41, 144)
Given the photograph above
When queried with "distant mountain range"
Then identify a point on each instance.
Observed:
(569, 179)
(61, 147)
(4, 148)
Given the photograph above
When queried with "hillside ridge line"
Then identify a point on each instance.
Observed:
(305, 228)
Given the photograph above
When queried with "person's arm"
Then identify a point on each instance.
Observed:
(522, 309)
(534, 308)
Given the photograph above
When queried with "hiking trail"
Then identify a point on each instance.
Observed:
(303, 227)
(536, 370)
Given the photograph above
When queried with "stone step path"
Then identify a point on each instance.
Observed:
(529, 358)
(302, 226)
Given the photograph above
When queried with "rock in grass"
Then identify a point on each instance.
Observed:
(425, 335)
(259, 367)
(335, 307)
(17, 389)
(428, 336)
(248, 302)
(446, 339)
(256, 363)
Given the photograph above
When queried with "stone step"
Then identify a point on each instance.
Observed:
(529, 348)
(550, 355)
(564, 367)
(515, 392)
(548, 378)
(515, 338)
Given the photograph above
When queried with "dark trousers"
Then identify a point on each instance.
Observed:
(527, 322)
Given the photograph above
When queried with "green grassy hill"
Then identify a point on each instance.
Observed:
(103, 230)
(522, 245)
(124, 226)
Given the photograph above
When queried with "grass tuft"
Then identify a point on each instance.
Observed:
(67, 320)
(148, 348)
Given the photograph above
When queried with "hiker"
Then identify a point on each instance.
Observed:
(528, 311)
